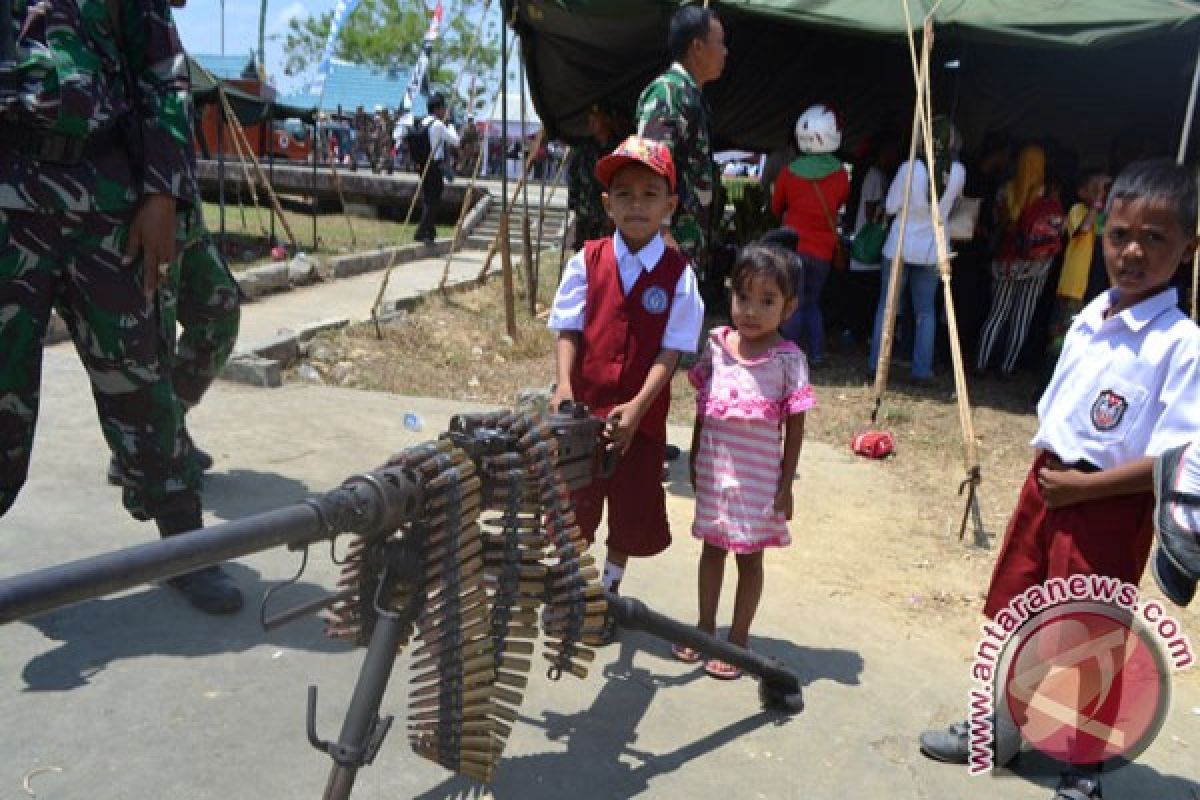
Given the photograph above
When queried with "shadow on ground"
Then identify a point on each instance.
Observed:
(241, 492)
(158, 621)
(1124, 780)
(601, 760)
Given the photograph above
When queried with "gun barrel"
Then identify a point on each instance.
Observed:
(376, 503)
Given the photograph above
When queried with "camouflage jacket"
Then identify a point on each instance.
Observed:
(672, 109)
(69, 82)
(584, 190)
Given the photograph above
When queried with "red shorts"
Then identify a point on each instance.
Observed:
(1110, 537)
(637, 504)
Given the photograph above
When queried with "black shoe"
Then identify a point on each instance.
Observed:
(672, 452)
(1077, 786)
(953, 746)
(209, 589)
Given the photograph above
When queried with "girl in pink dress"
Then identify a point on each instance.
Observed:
(752, 393)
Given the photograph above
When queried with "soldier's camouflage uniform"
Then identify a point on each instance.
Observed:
(672, 109)
(201, 295)
(64, 224)
(584, 190)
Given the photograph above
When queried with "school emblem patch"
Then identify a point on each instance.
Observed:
(1108, 410)
(655, 300)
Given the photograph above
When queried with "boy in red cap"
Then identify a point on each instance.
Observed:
(626, 308)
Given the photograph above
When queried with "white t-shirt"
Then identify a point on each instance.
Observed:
(687, 309)
(1125, 387)
(919, 246)
(440, 135)
(872, 192)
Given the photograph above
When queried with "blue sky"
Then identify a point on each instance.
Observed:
(200, 28)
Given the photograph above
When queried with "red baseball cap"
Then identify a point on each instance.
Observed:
(637, 150)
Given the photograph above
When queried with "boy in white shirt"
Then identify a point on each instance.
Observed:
(1126, 389)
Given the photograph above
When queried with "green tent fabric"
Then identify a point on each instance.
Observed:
(1081, 70)
(247, 107)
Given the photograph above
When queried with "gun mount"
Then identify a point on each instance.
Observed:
(466, 551)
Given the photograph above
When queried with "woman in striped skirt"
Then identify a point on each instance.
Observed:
(1032, 237)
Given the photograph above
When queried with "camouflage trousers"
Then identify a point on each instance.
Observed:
(73, 262)
(203, 298)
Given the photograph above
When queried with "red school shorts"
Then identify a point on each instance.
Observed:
(637, 504)
(1110, 537)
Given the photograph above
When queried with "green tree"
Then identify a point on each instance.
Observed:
(389, 33)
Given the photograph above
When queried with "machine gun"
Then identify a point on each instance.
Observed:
(466, 549)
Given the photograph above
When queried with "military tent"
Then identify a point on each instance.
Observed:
(1081, 70)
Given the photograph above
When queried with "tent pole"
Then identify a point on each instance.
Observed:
(887, 329)
(1186, 133)
(503, 114)
(1184, 136)
(315, 150)
(221, 158)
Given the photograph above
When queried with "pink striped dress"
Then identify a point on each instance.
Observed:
(744, 405)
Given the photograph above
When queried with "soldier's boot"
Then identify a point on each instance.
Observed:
(209, 589)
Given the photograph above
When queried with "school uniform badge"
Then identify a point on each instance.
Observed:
(1108, 410)
(654, 300)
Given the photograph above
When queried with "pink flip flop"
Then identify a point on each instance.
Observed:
(685, 654)
(721, 670)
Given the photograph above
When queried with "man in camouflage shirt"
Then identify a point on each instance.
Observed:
(201, 295)
(583, 188)
(672, 109)
(93, 159)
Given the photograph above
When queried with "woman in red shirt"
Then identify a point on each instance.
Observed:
(808, 196)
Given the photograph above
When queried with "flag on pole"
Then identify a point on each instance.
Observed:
(419, 80)
(341, 12)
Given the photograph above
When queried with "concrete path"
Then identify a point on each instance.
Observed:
(137, 696)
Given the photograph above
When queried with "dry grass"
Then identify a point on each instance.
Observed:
(455, 347)
(336, 233)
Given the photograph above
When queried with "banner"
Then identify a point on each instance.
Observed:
(341, 12)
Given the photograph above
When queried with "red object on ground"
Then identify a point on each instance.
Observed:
(874, 444)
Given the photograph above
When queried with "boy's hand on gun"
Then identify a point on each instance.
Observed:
(783, 500)
(558, 398)
(623, 423)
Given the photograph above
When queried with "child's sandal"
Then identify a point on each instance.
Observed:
(685, 654)
(722, 670)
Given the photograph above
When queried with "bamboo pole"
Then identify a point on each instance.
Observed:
(1184, 136)
(510, 314)
(243, 162)
(887, 328)
(487, 262)
(466, 204)
(337, 185)
(278, 209)
(527, 257)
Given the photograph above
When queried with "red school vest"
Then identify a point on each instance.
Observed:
(622, 335)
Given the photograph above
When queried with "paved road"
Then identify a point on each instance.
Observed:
(137, 696)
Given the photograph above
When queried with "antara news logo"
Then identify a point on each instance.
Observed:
(1079, 667)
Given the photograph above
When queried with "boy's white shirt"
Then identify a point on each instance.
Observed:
(686, 317)
(1146, 357)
